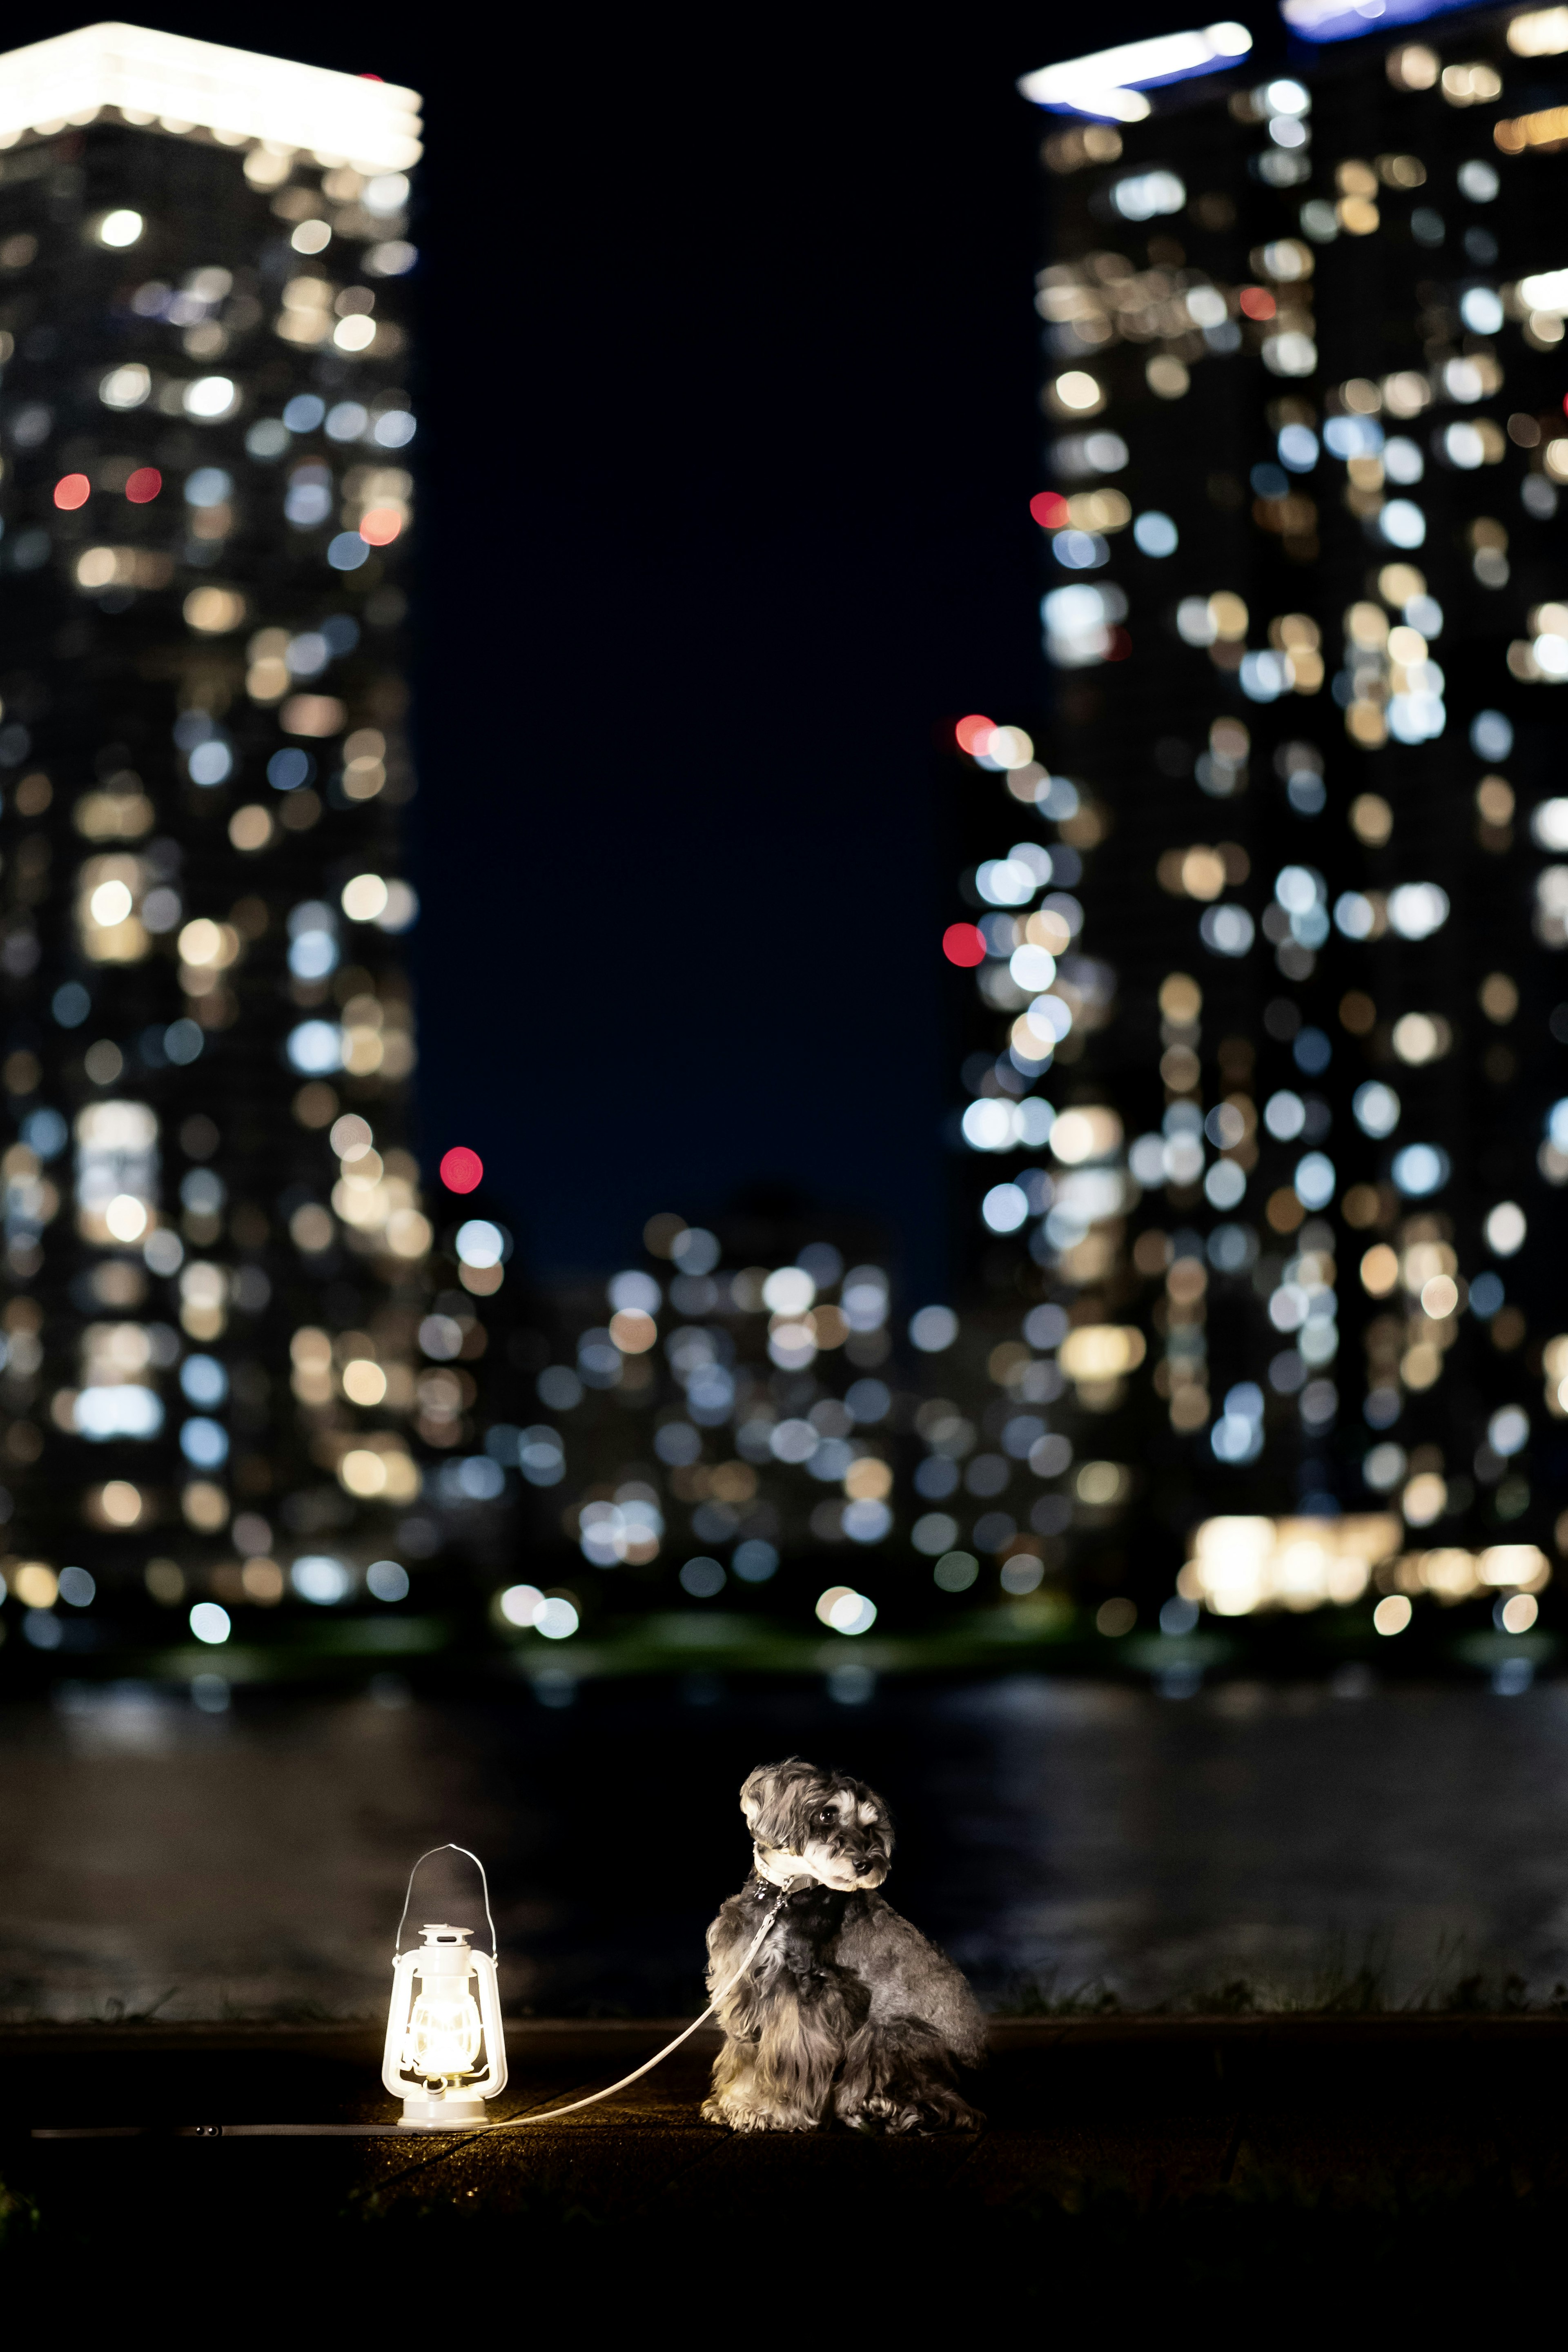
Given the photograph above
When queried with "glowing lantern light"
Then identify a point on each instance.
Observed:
(461, 1170)
(445, 2052)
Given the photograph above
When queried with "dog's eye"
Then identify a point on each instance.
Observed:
(828, 1813)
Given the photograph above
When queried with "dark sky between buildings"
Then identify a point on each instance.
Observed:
(730, 386)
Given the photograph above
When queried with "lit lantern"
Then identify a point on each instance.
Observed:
(445, 2051)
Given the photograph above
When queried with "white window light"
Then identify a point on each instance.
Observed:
(177, 83)
(1546, 293)
(1147, 194)
(1108, 84)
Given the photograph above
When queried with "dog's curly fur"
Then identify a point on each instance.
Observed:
(846, 2009)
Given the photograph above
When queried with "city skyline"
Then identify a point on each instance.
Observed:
(1101, 1381)
(1259, 325)
(230, 1334)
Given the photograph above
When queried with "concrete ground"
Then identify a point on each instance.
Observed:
(1138, 2150)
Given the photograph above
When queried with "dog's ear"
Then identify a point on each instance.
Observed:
(770, 1800)
(874, 1814)
(753, 1794)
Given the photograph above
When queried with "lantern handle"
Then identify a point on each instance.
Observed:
(408, 1896)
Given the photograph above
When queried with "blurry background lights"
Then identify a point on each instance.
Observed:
(316, 1047)
(1241, 1564)
(461, 1170)
(632, 1330)
(1104, 84)
(1375, 1107)
(1419, 1170)
(126, 1217)
(789, 1291)
(1004, 1208)
(846, 1610)
(1077, 393)
(1146, 195)
(480, 1244)
(364, 897)
(120, 228)
(635, 1292)
(210, 397)
(1156, 533)
(933, 1330)
(209, 1622)
(1009, 747)
(125, 387)
(695, 1250)
(318, 1577)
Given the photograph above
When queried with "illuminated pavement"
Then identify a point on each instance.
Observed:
(1100, 2137)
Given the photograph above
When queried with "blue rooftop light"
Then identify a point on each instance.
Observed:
(1351, 20)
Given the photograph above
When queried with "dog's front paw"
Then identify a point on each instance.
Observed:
(882, 2111)
(744, 2116)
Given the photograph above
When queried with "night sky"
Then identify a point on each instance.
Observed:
(729, 396)
(772, 441)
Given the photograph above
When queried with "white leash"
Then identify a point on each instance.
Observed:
(548, 2115)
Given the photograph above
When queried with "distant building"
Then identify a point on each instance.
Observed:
(1308, 612)
(230, 1339)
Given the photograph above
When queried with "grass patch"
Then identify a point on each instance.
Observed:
(1334, 1988)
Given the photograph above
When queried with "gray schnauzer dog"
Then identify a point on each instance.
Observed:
(846, 2007)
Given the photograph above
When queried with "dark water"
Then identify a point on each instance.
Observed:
(1057, 1834)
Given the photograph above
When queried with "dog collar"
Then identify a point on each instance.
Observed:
(766, 1864)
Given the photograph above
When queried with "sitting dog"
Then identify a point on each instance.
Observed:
(845, 2005)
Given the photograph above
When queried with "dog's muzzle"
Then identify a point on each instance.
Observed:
(841, 1873)
(847, 1872)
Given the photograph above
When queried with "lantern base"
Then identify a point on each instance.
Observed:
(441, 2115)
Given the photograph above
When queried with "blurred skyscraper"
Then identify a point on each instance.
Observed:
(1298, 1014)
(227, 1329)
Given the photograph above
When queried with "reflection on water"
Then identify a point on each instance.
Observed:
(252, 1862)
